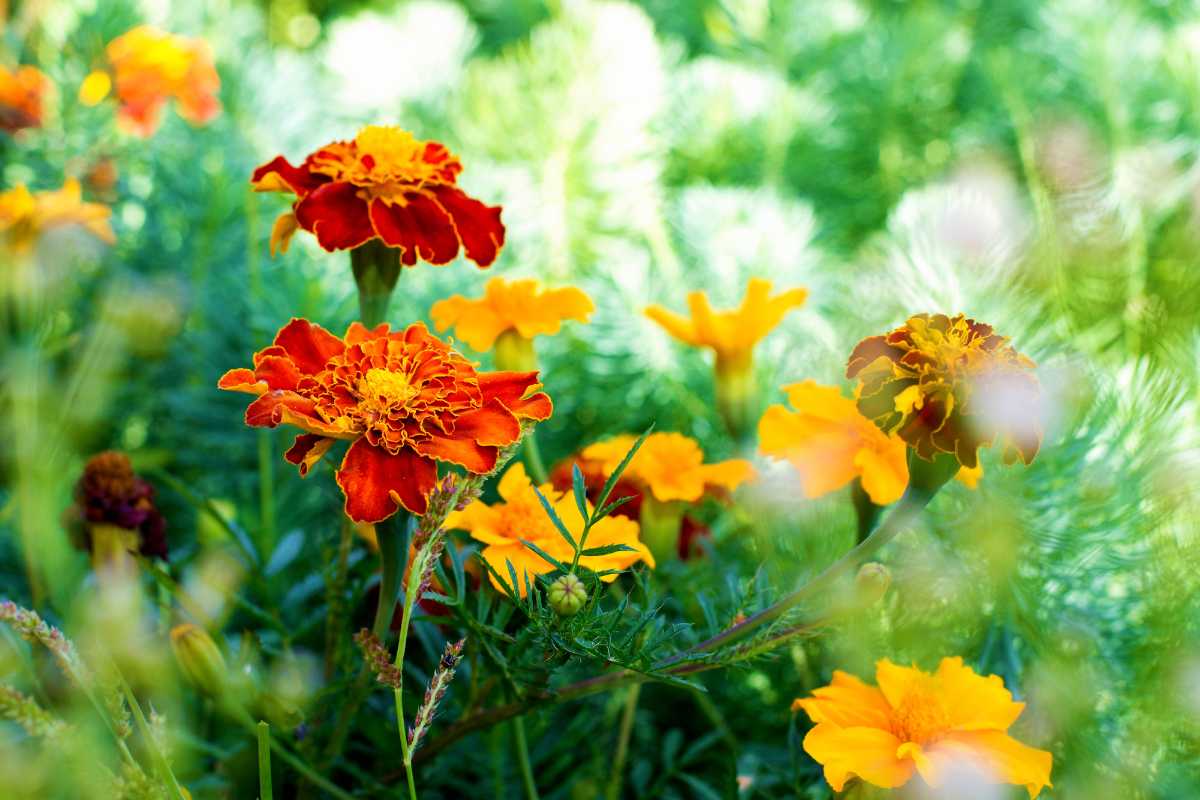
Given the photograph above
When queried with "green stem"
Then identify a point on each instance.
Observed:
(266, 494)
(376, 269)
(522, 746)
(617, 776)
(392, 537)
(264, 761)
(240, 715)
(533, 459)
(160, 761)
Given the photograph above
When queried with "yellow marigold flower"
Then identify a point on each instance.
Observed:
(919, 722)
(520, 515)
(25, 216)
(521, 306)
(22, 96)
(949, 385)
(670, 465)
(830, 444)
(732, 335)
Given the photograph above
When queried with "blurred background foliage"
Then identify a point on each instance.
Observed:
(1033, 164)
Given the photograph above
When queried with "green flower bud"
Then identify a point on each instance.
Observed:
(871, 583)
(199, 658)
(567, 595)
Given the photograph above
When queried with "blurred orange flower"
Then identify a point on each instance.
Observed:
(730, 334)
(670, 465)
(384, 184)
(151, 67)
(931, 724)
(830, 444)
(26, 216)
(949, 385)
(22, 93)
(404, 399)
(520, 515)
(522, 306)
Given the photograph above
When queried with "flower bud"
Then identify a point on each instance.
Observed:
(567, 595)
(871, 583)
(199, 658)
(514, 353)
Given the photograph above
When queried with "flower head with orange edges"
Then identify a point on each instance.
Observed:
(670, 466)
(22, 97)
(404, 399)
(150, 67)
(949, 385)
(730, 334)
(522, 306)
(938, 725)
(26, 216)
(384, 184)
(502, 526)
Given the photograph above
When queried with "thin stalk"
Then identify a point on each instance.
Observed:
(160, 761)
(617, 776)
(266, 494)
(522, 747)
(533, 459)
(264, 761)
(285, 755)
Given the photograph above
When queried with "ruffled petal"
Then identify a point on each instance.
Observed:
(437, 241)
(241, 380)
(847, 702)
(517, 391)
(308, 345)
(869, 753)
(976, 702)
(491, 424)
(894, 680)
(337, 215)
(376, 483)
(464, 451)
(477, 225)
(308, 450)
(278, 372)
(278, 175)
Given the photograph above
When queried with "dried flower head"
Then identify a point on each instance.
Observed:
(949, 385)
(22, 96)
(25, 217)
(404, 399)
(917, 722)
(384, 184)
(110, 493)
(523, 306)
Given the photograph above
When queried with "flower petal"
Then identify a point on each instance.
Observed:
(308, 450)
(278, 175)
(869, 753)
(241, 380)
(513, 389)
(464, 451)
(337, 215)
(847, 702)
(376, 483)
(1000, 757)
(478, 226)
(437, 241)
(309, 345)
(281, 232)
(976, 702)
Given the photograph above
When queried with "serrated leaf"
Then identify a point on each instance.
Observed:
(549, 559)
(558, 523)
(616, 476)
(608, 549)
(580, 489)
(613, 506)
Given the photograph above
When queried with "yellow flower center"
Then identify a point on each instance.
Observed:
(921, 716)
(380, 391)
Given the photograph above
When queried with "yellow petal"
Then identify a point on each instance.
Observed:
(95, 87)
(281, 232)
(996, 755)
(976, 702)
(672, 323)
(894, 680)
(848, 703)
(884, 471)
(970, 477)
(869, 753)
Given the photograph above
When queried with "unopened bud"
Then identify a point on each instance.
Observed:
(199, 658)
(567, 595)
(871, 583)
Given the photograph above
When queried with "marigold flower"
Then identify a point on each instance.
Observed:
(670, 465)
(949, 385)
(384, 184)
(151, 67)
(403, 398)
(110, 493)
(26, 216)
(502, 527)
(522, 306)
(919, 722)
(22, 94)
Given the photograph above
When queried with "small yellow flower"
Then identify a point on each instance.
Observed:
(670, 465)
(26, 216)
(918, 722)
(523, 306)
(502, 527)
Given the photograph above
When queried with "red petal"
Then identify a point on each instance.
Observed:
(437, 240)
(300, 180)
(307, 450)
(465, 452)
(478, 225)
(510, 388)
(493, 424)
(337, 215)
(308, 345)
(269, 410)
(376, 482)
(241, 380)
(357, 332)
(279, 372)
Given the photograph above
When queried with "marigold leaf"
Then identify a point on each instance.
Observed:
(549, 559)
(558, 523)
(580, 489)
(613, 506)
(616, 476)
(607, 549)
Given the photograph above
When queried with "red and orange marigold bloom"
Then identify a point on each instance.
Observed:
(150, 67)
(938, 725)
(384, 184)
(22, 96)
(949, 385)
(404, 399)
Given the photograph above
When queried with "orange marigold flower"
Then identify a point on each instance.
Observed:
(730, 334)
(404, 399)
(22, 93)
(26, 216)
(384, 184)
(914, 721)
(670, 465)
(949, 385)
(502, 526)
(830, 444)
(522, 306)
(151, 67)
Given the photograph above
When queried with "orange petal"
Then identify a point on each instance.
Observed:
(996, 755)
(281, 232)
(492, 424)
(869, 753)
(976, 702)
(376, 483)
(465, 452)
(308, 450)
(894, 680)
(268, 410)
(848, 703)
(679, 327)
(309, 345)
(516, 390)
(884, 472)
(241, 380)
(278, 372)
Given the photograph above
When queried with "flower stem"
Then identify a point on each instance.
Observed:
(616, 777)
(522, 747)
(533, 459)
(392, 536)
(264, 761)
(376, 269)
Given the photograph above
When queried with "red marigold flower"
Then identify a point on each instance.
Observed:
(110, 493)
(384, 184)
(949, 385)
(22, 94)
(404, 399)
